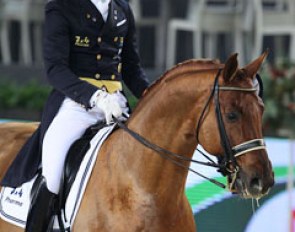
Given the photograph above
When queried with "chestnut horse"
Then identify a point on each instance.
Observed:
(133, 188)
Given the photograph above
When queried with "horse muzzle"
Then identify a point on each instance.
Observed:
(250, 184)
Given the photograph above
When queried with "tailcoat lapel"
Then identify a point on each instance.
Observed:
(115, 16)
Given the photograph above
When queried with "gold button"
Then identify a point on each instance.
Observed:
(121, 39)
(99, 39)
(113, 77)
(94, 19)
(119, 67)
(116, 39)
(98, 57)
(88, 16)
(97, 76)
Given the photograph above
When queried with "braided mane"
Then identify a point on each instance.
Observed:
(192, 65)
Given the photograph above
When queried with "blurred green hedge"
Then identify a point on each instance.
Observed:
(279, 99)
(31, 96)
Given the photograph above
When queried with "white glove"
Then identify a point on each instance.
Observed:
(105, 102)
(120, 98)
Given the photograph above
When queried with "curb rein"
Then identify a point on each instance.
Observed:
(230, 153)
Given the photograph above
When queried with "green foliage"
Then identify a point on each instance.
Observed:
(132, 100)
(279, 98)
(31, 96)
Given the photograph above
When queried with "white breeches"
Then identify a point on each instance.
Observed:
(68, 125)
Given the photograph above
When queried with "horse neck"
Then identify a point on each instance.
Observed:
(168, 117)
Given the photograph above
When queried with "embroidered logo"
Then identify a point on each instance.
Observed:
(82, 42)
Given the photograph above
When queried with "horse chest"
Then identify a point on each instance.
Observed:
(144, 215)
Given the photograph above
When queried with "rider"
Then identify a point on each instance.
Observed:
(89, 48)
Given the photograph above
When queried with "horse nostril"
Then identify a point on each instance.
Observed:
(255, 184)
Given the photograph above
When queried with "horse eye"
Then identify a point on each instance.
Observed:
(232, 116)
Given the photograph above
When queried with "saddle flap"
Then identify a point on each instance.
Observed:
(74, 159)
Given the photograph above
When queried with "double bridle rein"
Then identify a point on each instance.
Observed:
(227, 165)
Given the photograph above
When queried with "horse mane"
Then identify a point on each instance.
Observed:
(192, 65)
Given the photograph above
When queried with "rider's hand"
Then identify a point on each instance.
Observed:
(105, 102)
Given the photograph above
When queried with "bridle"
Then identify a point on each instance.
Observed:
(228, 165)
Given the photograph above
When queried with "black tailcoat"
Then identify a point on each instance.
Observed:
(78, 43)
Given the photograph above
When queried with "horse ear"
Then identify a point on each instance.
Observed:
(230, 68)
(252, 68)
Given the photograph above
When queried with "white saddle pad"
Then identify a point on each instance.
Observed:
(15, 202)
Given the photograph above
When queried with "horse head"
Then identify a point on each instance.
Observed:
(218, 106)
(236, 112)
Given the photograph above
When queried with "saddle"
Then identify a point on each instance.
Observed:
(73, 161)
(79, 163)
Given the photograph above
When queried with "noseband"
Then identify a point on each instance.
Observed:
(227, 165)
